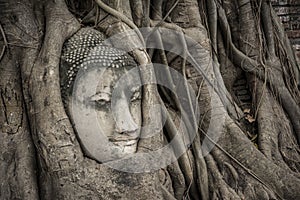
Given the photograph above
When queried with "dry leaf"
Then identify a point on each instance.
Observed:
(249, 118)
(247, 110)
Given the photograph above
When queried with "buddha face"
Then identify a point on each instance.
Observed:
(105, 108)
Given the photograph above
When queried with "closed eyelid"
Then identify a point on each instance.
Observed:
(136, 95)
(104, 95)
(101, 96)
(136, 91)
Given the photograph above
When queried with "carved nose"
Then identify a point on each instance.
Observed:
(128, 126)
(123, 117)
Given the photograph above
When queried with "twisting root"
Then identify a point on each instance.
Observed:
(121, 17)
(5, 42)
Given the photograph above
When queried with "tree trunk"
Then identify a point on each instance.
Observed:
(235, 55)
(289, 14)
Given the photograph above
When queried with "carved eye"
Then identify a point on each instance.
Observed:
(101, 98)
(136, 95)
(101, 102)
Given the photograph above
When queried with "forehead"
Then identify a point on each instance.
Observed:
(110, 81)
(118, 77)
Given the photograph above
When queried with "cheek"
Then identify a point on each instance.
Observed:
(106, 121)
(136, 112)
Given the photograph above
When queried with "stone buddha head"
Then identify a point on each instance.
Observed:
(101, 96)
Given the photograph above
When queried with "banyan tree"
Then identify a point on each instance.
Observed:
(140, 99)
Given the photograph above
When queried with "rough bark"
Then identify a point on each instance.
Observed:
(242, 48)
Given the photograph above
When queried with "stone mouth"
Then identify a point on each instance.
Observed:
(129, 137)
(127, 147)
(125, 142)
(123, 139)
